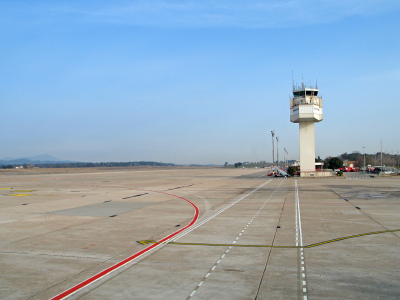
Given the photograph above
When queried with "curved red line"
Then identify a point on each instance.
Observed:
(103, 273)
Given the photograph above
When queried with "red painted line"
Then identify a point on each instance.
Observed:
(107, 271)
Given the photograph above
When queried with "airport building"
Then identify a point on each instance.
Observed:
(306, 109)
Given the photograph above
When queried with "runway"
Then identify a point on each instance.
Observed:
(250, 239)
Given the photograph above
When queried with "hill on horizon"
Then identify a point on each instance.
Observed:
(38, 159)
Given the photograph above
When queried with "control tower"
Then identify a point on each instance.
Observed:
(306, 109)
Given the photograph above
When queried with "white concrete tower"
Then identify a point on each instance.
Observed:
(306, 109)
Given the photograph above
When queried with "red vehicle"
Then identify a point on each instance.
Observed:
(345, 169)
(348, 169)
(370, 169)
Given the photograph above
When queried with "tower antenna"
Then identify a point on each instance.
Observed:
(292, 81)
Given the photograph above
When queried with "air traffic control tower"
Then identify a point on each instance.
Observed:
(306, 109)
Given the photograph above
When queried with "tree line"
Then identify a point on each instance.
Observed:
(92, 165)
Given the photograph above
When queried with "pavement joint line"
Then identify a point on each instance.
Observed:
(297, 246)
(234, 242)
(183, 233)
(273, 239)
(89, 281)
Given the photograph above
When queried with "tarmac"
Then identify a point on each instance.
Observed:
(197, 233)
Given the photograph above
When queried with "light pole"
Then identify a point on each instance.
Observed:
(364, 158)
(277, 150)
(286, 159)
(273, 154)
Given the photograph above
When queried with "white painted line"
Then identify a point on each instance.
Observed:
(234, 242)
(192, 293)
(300, 239)
(298, 213)
(183, 233)
(129, 260)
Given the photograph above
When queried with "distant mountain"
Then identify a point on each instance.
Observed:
(43, 157)
(7, 158)
(38, 159)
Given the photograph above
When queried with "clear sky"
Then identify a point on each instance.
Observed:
(195, 82)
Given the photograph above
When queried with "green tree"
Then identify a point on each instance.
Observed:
(335, 163)
(291, 170)
(226, 164)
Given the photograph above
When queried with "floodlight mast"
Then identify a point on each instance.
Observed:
(286, 158)
(277, 150)
(273, 154)
(364, 158)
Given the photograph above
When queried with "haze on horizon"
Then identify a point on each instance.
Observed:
(194, 82)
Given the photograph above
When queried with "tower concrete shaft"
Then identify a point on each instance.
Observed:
(307, 146)
(306, 109)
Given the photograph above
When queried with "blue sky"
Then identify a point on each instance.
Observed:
(200, 82)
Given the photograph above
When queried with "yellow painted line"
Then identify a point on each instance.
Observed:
(145, 242)
(349, 237)
(5, 188)
(233, 245)
(218, 245)
(270, 246)
(21, 195)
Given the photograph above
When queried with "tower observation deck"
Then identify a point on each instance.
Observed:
(306, 109)
(305, 105)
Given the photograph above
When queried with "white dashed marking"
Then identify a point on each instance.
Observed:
(299, 240)
(234, 242)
